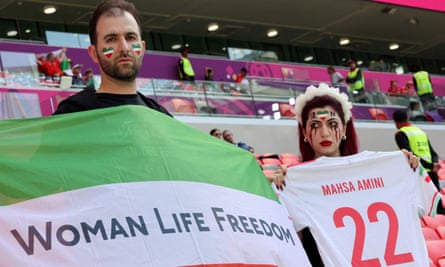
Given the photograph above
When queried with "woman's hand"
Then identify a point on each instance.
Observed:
(278, 177)
(413, 160)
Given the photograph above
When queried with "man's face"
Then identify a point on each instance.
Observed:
(119, 49)
(228, 136)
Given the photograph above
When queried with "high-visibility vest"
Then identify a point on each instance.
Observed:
(357, 85)
(423, 83)
(187, 66)
(418, 142)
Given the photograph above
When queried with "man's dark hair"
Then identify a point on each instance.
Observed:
(213, 131)
(400, 116)
(110, 8)
(243, 70)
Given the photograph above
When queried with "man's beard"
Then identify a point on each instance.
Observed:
(119, 72)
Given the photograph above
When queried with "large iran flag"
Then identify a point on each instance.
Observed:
(129, 187)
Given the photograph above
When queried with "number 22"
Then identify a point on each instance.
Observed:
(390, 257)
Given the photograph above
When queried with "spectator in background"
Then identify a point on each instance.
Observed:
(216, 133)
(239, 78)
(409, 88)
(209, 74)
(379, 65)
(77, 75)
(356, 82)
(241, 81)
(415, 114)
(336, 77)
(50, 66)
(186, 72)
(424, 87)
(65, 66)
(413, 139)
(88, 77)
(228, 137)
(395, 90)
(116, 45)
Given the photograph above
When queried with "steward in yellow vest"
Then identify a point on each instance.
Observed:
(356, 83)
(185, 68)
(413, 139)
(424, 88)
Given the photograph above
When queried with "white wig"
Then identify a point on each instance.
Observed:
(321, 90)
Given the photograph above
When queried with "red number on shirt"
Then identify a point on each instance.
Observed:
(390, 257)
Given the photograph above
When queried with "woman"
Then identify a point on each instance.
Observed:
(325, 128)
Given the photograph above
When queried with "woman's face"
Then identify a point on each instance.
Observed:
(324, 131)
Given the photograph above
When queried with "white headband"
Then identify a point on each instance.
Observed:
(322, 89)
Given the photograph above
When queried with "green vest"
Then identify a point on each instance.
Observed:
(418, 142)
(357, 85)
(423, 83)
(187, 65)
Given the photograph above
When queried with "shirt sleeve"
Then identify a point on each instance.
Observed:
(402, 141)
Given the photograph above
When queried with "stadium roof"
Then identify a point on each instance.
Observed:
(370, 26)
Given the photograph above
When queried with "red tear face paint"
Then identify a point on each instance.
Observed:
(137, 48)
(323, 131)
(108, 51)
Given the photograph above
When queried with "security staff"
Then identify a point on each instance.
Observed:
(424, 88)
(356, 82)
(186, 71)
(413, 139)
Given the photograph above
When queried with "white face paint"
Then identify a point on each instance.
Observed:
(324, 131)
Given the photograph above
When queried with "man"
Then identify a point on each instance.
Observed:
(424, 88)
(356, 82)
(413, 139)
(228, 137)
(116, 45)
(51, 66)
(186, 72)
(77, 75)
(215, 132)
(336, 77)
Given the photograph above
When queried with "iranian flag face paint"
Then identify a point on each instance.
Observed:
(108, 51)
(322, 115)
(137, 48)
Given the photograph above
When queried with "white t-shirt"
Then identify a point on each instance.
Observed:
(336, 78)
(362, 207)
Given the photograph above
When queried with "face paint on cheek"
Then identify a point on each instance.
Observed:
(108, 51)
(337, 134)
(137, 48)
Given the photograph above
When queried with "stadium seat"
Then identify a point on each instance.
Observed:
(436, 250)
(289, 159)
(270, 166)
(430, 234)
(287, 110)
(434, 222)
(378, 114)
(271, 161)
(183, 105)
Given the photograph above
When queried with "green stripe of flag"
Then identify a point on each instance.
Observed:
(48, 155)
